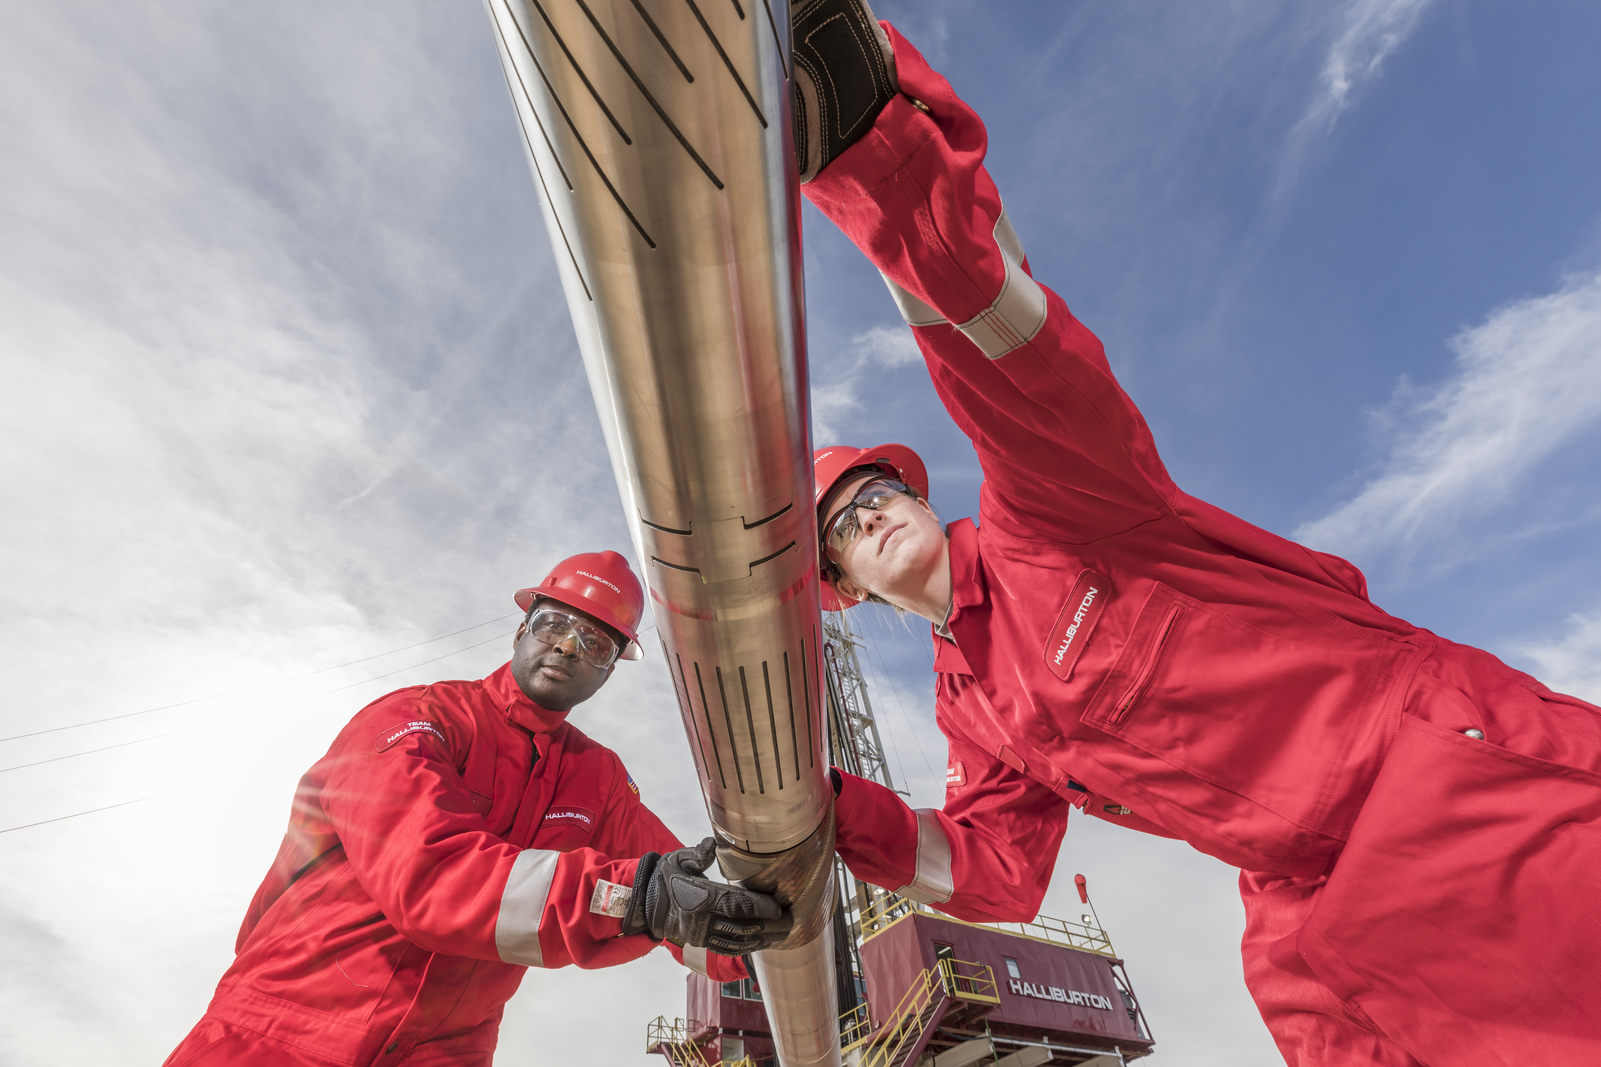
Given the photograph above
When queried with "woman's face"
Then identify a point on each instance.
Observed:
(898, 550)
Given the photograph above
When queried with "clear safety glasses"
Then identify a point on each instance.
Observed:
(595, 646)
(842, 528)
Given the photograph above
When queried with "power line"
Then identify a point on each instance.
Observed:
(87, 751)
(263, 685)
(314, 696)
(414, 666)
(76, 814)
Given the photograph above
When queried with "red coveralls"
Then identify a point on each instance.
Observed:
(1410, 890)
(453, 836)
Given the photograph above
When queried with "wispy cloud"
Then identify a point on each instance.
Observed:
(1365, 34)
(1572, 662)
(839, 385)
(1369, 31)
(1524, 387)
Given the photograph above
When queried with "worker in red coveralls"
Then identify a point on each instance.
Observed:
(1417, 825)
(457, 834)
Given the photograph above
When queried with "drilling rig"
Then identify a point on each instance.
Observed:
(918, 988)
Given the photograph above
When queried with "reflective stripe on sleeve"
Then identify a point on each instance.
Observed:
(932, 883)
(1011, 321)
(695, 959)
(522, 905)
(913, 310)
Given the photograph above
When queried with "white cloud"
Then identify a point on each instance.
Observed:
(279, 347)
(1526, 384)
(1571, 663)
(843, 384)
(1365, 34)
(1369, 31)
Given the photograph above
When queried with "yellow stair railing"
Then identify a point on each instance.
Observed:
(893, 1044)
(884, 909)
(673, 1040)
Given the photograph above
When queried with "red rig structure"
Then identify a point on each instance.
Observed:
(922, 989)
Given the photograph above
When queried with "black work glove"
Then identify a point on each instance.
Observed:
(673, 901)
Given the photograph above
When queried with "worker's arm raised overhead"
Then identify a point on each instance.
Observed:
(1024, 379)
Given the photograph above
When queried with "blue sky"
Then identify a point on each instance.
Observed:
(284, 355)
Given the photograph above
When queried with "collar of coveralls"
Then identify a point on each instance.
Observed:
(507, 694)
(967, 584)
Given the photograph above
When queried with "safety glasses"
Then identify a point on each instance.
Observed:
(596, 647)
(842, 528)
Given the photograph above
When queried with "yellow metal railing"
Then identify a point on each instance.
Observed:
(855, 1027)
(969, 981)
(949, 978)
(885, 909)
(675, 1037)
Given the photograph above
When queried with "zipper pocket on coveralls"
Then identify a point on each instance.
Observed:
(1142, 678)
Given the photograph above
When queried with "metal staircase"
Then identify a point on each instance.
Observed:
(954, 992)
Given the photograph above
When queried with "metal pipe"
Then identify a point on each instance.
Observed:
(659, 136)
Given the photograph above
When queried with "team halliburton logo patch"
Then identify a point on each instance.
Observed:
(582, 818)
(1076, 622)
(399, 730)
(955, 775)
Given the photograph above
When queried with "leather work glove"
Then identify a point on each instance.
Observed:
(674, 901)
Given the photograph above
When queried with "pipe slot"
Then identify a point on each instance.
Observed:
(789, 694)
(666, 529)
(728, 720)
(689, 712)
(649, 99)
(666, 47)
(568, 52)
(770, 518)
(806, 689)
(758, 562)
(772, 724)
(750, 724)
(555, 99)
(729, 63)
(705, 704)
(783, 53)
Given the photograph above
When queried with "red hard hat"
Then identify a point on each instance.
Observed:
(601, 584)
(834, 462)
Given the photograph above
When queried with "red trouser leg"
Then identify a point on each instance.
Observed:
(1462, 916)
(1308, 1022)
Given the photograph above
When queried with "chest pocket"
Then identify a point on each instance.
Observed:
(1130, 679)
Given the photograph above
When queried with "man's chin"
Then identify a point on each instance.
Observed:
(551, 696)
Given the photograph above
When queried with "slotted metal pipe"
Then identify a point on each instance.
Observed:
(659, 136)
